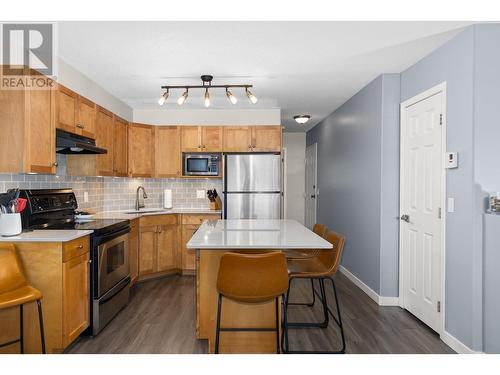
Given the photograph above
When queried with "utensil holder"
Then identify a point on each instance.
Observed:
(216, 205)
(10, 225)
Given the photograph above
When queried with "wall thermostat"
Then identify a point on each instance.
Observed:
(451, 160)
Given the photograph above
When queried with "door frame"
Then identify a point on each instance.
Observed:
(316, 189)
(440, 88)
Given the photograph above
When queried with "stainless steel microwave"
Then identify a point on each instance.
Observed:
(201, 164)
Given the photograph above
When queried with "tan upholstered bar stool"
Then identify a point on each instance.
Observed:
(251, 278)
(321, 267)
(15, 291)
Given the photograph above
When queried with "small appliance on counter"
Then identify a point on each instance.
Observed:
(109, 248)
(213, 197)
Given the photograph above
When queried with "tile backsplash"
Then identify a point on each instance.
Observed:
(115, 193)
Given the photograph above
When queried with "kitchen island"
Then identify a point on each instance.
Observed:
(211, 241)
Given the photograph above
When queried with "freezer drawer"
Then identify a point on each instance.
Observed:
(253, 173)
(253, 206)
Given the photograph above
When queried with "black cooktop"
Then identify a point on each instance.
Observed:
(99, 226)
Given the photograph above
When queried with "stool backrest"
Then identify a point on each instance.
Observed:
(320, 229)
(252, 277)
(331, 258)
(11, 272)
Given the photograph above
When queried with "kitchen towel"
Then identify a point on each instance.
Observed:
(167, 198)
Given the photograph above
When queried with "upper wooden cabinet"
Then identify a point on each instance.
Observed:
(75, 113)
(237, 139)
(120, 147)
(104, 139)
(201, 138)
(141, 150)
(167, 151)
(252, 138)
(27, 122)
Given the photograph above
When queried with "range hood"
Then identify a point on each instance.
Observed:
(70, 143)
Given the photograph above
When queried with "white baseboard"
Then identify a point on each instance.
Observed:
(456, 344)
(380, 300)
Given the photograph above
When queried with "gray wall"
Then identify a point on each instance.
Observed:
(295, 145)
(351, 172)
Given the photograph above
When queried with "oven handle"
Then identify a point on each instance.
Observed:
(100, 239)
(108, 298)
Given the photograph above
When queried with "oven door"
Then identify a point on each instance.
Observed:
(113, 263)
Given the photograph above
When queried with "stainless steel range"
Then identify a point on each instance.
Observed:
(110, 274)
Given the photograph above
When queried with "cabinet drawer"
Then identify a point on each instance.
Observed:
(158, 220)
(75, 248)
(198, 219)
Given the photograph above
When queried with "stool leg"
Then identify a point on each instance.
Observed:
(325, 304)
(308, 304)
(284, 334)
(217, 328)
(277, 312)
(341, 326)
(21, 328)
(40, 321)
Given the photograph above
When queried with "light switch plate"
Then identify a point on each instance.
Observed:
(86, 196)
(451, 205)
(200, 194)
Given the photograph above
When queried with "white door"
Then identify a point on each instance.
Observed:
(311, 185)
(421, 205)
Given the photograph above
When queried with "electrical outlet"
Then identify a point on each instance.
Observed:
(86, 196)
(200, 194)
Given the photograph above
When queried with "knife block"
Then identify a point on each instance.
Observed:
(216, 204)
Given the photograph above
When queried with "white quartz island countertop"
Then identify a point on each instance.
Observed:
(47, 235)
(255, 234)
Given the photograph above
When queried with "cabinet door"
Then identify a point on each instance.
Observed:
(147, 249)
(66, 109)
(41, 138)
(104, 139)
(167, 247)
(211, 138)
(188, 256)
(86, 121)
(237, 139)
(266, 138)
(120, 147)
(167, 151)
(141, 150)
(76, 296)
(134, 250)
(190, 138)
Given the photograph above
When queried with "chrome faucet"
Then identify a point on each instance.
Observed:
(138, 205)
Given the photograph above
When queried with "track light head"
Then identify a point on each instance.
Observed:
(182, 99)
(251, 96)
(206, 98)
(163, 98)
(231, 97)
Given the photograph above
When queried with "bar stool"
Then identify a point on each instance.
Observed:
(15, 291)
(321, 267)
(251, 278)
(320, 230)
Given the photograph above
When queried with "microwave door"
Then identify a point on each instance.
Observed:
(197, 165)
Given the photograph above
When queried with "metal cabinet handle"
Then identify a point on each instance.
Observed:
(80, 246)
(405, 218)
(80, 126)
(55, 164)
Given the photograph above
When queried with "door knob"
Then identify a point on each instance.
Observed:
(313, 196)
(405, 218)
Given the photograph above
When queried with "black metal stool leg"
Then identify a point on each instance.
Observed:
(339, 322)
(40, 321)
(325, 304)
(217, 329)
(308, 304)
(277, 312)
(21, 328)
(284, 335)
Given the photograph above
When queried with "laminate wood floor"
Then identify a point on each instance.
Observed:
(160, 318)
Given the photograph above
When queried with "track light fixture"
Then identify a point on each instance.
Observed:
(207, 84)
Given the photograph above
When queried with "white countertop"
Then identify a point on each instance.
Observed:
(255, 234)
(47, 235)
(157, 211)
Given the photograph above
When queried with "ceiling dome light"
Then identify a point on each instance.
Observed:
(206, 99)
(183, 98)
(163, 98)
(302, 119)
(251, 96)
(231, 97)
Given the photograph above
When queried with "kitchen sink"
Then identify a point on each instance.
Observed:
(145, 211)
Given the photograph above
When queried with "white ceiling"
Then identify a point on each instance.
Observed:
(300, 67)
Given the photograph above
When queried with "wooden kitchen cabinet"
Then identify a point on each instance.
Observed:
(266, 138)
(120, 147)
(134, 250)
(166, 248)
(75, 113)
(167, 151)
(27, 120)
(86, 117)
(237, 139)
(141, 150)
(105, 139)
(201, 138)
(188, 256)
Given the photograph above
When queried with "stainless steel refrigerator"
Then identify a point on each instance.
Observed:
(252, 186)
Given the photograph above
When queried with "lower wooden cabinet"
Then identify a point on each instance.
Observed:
(188, 256)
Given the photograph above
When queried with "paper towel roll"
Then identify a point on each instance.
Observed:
(167, 198)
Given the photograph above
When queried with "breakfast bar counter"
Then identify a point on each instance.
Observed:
(211, 241)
